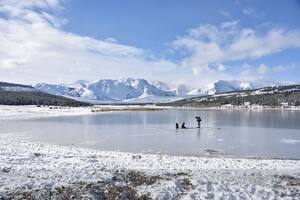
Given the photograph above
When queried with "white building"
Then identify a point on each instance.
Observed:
(247, 103)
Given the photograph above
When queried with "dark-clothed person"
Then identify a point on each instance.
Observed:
(198, 121)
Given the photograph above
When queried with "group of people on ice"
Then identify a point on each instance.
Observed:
(198, 118)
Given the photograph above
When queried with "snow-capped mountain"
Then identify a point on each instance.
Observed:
(140, 90)
(177, 90)
(126, 89)
(57, 89)
(222, 86)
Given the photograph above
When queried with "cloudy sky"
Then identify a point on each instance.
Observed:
(193, 41)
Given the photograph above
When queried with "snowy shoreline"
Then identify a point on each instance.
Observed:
(32, 111)
(32, 170)
(244, 108)
(37, 168)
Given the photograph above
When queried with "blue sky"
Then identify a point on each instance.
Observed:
(193, 42)
(152, 24)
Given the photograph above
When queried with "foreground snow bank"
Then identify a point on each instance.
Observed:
(43, 171)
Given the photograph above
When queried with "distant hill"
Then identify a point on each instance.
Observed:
(17, 94)
(268, 96)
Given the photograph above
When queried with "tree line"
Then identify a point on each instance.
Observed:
(36, 98)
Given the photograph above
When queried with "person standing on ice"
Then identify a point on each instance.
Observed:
(198, 121)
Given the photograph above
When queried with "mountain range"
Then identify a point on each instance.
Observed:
(129, 90)
(108, 90)
(17, 94)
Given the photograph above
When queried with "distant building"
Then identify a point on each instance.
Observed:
(247, 103)
(228, 106)
(284, 104)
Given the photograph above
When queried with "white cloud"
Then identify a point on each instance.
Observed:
(246, 66)
(248, 72)
(253, 13)
(221, 67)
(262, 69)
(278, 69)
(225, 13)
(34, 48)
(260, 72)
(248, 11)
(209, 44)
(112, 40)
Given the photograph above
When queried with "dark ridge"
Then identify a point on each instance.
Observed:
(36, 98)
(4, 84)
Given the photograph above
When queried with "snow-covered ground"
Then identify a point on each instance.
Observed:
(22, 112)
(43, 171)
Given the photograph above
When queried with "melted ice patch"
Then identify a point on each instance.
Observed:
(289, 141)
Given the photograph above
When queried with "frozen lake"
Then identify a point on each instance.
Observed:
(271, 134)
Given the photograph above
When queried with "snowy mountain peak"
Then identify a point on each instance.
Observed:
(140, 90)
(222, 86)
(108, 90)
